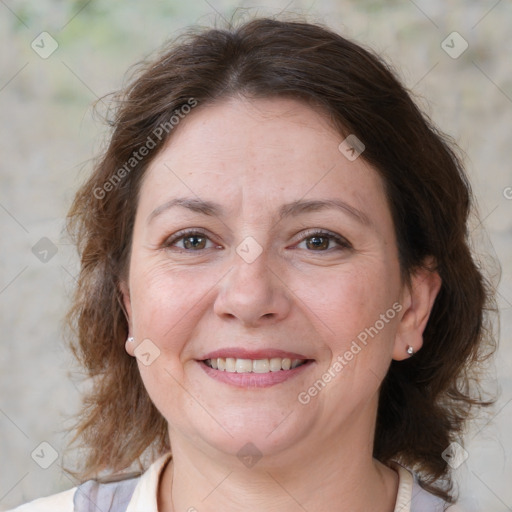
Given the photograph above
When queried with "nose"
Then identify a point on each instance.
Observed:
(254, 293)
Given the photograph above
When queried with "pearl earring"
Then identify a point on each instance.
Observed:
(130, 339)
(410, 350)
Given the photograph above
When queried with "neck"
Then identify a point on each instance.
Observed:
(339, 470)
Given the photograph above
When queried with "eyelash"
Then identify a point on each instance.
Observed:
(342, 242)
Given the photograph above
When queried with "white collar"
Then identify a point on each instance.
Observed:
(405, 485)
(145, 495)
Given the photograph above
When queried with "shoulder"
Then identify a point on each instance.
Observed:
(60, 502)
(413, 498)
(92, 496)
(130, 493)
(113, 496)
(423, 501)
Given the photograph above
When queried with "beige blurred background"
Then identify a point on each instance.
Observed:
(48, 135)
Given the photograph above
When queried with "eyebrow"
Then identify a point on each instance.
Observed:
(294, 208)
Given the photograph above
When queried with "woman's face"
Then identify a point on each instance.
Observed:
(289, 258)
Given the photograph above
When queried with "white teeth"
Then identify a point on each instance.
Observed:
(232, 365)
(275, 364)
(243, 365)
(260, 366)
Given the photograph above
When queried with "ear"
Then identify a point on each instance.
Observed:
(417, 299)
(125, 296)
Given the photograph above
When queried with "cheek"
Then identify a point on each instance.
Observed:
(161, 305)
(358, 344)
(348, 300)
(161, 301)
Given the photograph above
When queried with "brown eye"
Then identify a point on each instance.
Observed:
(318, 242)
(191, 241)
(324, 241)
(194, 242)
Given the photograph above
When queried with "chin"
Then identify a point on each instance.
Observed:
(251, 435)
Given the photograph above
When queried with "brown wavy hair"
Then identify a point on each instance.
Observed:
(425, 400)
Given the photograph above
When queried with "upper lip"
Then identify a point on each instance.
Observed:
(242, 353)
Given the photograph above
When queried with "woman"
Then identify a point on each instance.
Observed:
(276, 286)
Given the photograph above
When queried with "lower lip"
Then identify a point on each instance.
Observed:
(253, 380)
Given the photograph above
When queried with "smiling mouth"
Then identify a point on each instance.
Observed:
(235, 365)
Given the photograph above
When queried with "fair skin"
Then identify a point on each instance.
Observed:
(303, 294)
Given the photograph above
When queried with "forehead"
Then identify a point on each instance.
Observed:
(259, 151)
